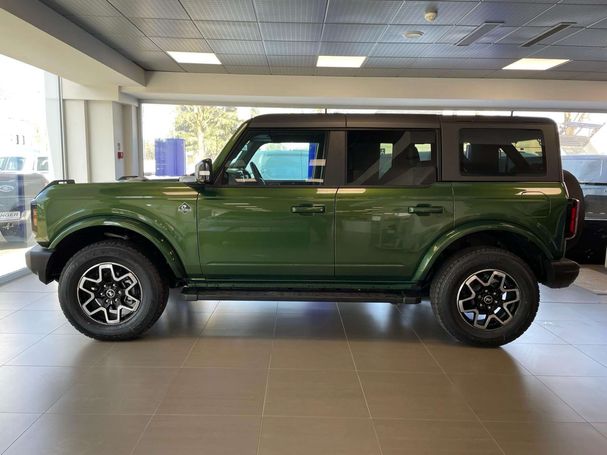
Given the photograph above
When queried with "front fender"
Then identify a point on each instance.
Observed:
(462, 231)
(164, 246)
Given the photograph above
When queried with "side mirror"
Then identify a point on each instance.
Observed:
(204, 171)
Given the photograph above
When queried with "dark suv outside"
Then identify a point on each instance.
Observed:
(471, 212)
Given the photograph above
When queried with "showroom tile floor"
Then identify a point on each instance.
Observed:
(300, 378)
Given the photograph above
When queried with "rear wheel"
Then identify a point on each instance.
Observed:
(485, 296)
(111, 291)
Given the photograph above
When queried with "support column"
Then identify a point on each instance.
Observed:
(102, 135)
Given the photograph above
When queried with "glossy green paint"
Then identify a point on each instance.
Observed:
(382, 233)
(150, 208)
(534, 210)
(276, 233)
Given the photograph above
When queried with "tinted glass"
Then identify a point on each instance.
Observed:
(501, 152)
(391, 157)
(279, 158)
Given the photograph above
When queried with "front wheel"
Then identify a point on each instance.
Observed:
(485, 296)
(111, 291)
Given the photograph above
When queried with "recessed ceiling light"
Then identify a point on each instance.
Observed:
(201, 58)
(340, 61)
(413, 34)
(535, 64)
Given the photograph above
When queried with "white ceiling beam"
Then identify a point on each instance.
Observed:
(34, 33)
(372, 92)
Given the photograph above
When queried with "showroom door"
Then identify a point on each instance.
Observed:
(391, 209)
(270, 215)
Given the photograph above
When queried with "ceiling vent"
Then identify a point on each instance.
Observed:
(552, 31)
(477, 33)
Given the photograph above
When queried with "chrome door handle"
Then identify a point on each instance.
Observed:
(308, 209)
(426, 209)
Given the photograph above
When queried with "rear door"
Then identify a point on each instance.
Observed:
(392, 208)
(270, 216)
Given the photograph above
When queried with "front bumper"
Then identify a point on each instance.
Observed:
(561, 273)
(37, 259)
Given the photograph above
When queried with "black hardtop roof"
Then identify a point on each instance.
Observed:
(381, 120)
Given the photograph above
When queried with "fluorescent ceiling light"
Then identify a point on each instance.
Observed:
(477, 33)
(548, 33)
(340, 61)
(203, 58)
(535, 64)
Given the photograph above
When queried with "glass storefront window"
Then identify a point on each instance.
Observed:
(30, 152)
(176, 137)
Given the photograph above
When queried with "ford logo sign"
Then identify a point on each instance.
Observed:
(6, 188)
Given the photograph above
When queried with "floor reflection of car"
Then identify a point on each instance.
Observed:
(591, 172)
(22, 176)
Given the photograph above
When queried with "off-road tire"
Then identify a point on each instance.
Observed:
(154, 296)
(455, 271)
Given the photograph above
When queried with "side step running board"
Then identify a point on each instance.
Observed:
(292, 295)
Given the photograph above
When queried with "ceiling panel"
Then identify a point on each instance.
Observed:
(243, 59)
(292, 60)
(282, 31)
(448, 12)
(167, 28)
(389, 62)
(346, 48)
(290, 10)
(286, 36)
(431, 33)
(83, 7)
(220, 10)
(182, 44)
(236, 47)
(585, 16)
(108, 26)
(352, 32)
(229, 30)
(587, 37)
(511, 14)
(160, 9)
(291, 48)
(362, 11)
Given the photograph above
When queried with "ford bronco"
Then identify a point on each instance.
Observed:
(471, 212)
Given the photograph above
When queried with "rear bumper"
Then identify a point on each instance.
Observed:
(37, 259)
(561, 273)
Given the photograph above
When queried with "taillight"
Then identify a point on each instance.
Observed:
(572, 218)
(34, 217)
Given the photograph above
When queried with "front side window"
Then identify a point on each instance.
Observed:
(501, 152)
(278, 158)
(391, 157)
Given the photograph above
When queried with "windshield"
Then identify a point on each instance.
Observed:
(587, 169)
(11, 163)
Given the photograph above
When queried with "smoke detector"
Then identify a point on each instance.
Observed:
(430, 14)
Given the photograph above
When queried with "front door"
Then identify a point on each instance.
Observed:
(270, 216)
(392, 208)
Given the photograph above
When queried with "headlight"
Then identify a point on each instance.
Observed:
(34, 218)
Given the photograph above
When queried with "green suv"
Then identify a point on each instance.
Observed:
(470, 211)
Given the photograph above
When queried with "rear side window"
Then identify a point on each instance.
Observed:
(501, 152)
(391, 157)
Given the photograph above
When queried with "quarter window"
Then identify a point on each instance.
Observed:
(391, 157)
(279, 158)
(501, 152)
